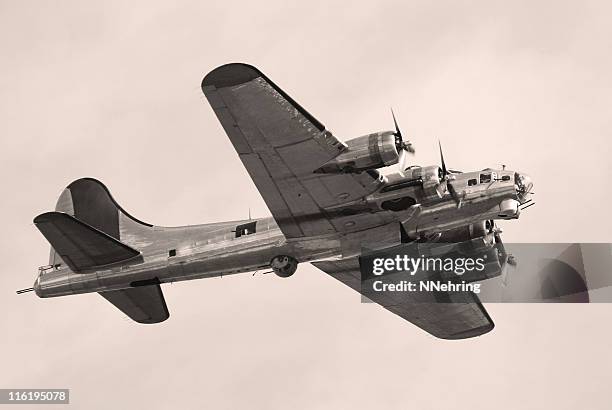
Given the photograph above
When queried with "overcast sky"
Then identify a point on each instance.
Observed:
(112, 91)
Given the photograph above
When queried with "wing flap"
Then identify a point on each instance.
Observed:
(447, 315)
(81, 246)
(143, 304)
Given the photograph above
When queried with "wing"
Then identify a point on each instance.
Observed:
(144, 304)
(460, 316)
(281, 145)
(81, 246)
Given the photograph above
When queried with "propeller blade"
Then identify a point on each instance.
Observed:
(444, 170)
(441, 188)
(401, 146)
(402, 160)
(453, 193)
(398, 133)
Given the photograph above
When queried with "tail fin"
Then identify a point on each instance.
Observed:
(85, 233)
(90, 201)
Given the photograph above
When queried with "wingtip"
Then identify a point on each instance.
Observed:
(152, 321)
(230, 74)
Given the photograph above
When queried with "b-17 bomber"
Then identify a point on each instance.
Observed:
(328, 199)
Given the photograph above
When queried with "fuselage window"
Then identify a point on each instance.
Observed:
(472, 182)
(246, 229)
(485, 178)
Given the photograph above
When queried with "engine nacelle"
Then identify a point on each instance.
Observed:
(367, 152)
(476, 241)
(430, 177)
(283, 265)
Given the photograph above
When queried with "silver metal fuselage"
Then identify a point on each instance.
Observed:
(200, 251)
(210, 250)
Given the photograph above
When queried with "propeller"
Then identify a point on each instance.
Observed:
(445, 181)
(401, 145)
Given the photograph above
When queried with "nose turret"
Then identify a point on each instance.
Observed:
(523, 183)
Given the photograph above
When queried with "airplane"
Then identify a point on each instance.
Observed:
(328, 202)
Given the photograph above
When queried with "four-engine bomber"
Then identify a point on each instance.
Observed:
(328, 201)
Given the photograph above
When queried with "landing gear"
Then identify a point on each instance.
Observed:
(283, 265)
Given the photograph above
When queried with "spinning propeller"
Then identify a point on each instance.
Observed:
(401, 145)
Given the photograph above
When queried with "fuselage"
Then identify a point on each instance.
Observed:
(172, 254)
(209, 250)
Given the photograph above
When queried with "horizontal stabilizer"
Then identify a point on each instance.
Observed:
(144, 304)
(81, 246)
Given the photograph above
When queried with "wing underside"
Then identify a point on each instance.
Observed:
(459, 316)
(281, 145)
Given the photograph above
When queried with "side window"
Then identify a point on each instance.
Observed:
(472, 182)
(485, 178)
(246, 229)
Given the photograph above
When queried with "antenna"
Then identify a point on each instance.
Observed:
(249, 213)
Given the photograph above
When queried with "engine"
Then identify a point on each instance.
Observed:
(430, 178)
(283, 265)
(363, 153)
(477, 240)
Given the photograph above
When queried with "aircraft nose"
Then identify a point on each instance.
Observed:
(523, 183)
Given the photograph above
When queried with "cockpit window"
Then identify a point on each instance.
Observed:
(485, 178)
(472, 182)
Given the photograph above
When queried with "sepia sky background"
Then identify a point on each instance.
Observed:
(111, 90)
